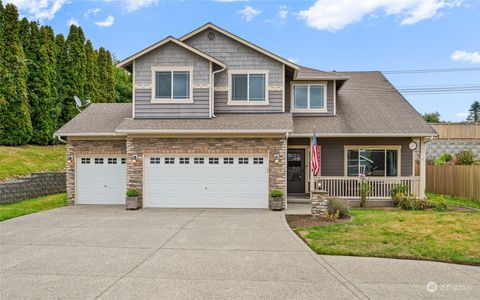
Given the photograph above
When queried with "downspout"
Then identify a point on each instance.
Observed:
(212, 94)
(60, 139)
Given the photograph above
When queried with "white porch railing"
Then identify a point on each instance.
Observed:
(348, 187)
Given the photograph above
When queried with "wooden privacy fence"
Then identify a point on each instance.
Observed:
(457, 130)
(454, 180)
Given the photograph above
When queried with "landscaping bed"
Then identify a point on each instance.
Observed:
(305, 221)
(25, 207)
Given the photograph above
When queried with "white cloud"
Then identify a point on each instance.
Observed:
(248, 13)
(133, 5)
(91, 12)
(106, 23)
(292, 59)
(335, 15)
(38, 9)
(462, 115)
(283, 12)
(460, 55)
(72, 21)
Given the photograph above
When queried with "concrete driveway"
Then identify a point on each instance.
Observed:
(109, 253)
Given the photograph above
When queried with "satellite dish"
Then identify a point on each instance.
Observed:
(79, 103)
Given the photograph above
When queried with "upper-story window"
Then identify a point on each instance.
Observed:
(171, 85)
(309, 97)
(248, 87)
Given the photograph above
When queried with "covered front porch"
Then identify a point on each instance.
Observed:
(386, 163)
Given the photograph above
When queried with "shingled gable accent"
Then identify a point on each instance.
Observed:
(240, 40)
(126, 62)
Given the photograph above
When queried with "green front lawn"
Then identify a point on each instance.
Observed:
(23, 160)
(429, 235)
(454, 200)
(25, 207)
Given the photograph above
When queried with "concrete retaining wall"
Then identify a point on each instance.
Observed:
(34, 185)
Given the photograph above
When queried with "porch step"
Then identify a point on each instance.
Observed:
(298, 198)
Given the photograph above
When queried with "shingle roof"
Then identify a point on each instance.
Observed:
(305, 73)
(367, 104)
(98, 118)
(277, 122)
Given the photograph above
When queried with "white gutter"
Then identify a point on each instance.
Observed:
(87, 134)
(364, 135)
(212, 94)
(180, 131)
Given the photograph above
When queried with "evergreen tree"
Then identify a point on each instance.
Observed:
(15, 124)
(123, 86)
(91, 84)
(474, 112)
(74, 73)
(61, 56)
(106, 76)
(45, 111)
(2, 67)
(433, 117)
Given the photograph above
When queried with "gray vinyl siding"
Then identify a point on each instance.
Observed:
(274, 98)
(333, 155)
(330, 100)
(198, 109)
(239, 57)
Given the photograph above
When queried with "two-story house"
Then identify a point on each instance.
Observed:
(217, 121)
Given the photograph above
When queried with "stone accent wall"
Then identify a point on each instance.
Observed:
(268, 146)
(437, 147)
(35, 185)
(318, 203)
(88, 147)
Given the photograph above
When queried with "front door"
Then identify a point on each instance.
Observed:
(296, 171)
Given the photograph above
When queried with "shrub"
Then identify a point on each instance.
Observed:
(133, 193)
(446, 157)
(277, 194)
(441, 206)
(465, 157)
(364, 190)
(414, 203)
(340, 205)
(399, 189)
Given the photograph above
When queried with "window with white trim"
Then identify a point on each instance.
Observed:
(85, 160)
(213, 160)
(199, 160)
(169, 160)
(248, 87)
(98, 160)
(309, 96)
(171, 85)
(123, 161)
(228, 160)
(184, 160)
(383, 162)
(243, 160)
(112, 161)
(154, 160)
(258, 160)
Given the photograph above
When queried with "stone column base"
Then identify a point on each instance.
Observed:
(318, 203)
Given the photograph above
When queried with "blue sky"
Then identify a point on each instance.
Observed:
(324, 34)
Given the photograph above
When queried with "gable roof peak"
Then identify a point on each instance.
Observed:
(240, 40)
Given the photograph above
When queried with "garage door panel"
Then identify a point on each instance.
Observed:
(219, 185)
(100, 183)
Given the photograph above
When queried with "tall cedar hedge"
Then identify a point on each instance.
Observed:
(40, 72)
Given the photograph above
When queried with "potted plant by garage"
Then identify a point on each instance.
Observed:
(133, 198)
(277, 199)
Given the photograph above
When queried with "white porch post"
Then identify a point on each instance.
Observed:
(423, 168)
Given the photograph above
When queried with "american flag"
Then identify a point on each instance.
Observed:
(315, 159)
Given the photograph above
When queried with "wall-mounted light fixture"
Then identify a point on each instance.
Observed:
(134, 158)
(69, 158)
(276, 157)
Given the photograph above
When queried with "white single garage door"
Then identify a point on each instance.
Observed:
(101, 180)
(206, 181)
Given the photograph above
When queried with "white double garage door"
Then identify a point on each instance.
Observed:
(208, 181)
